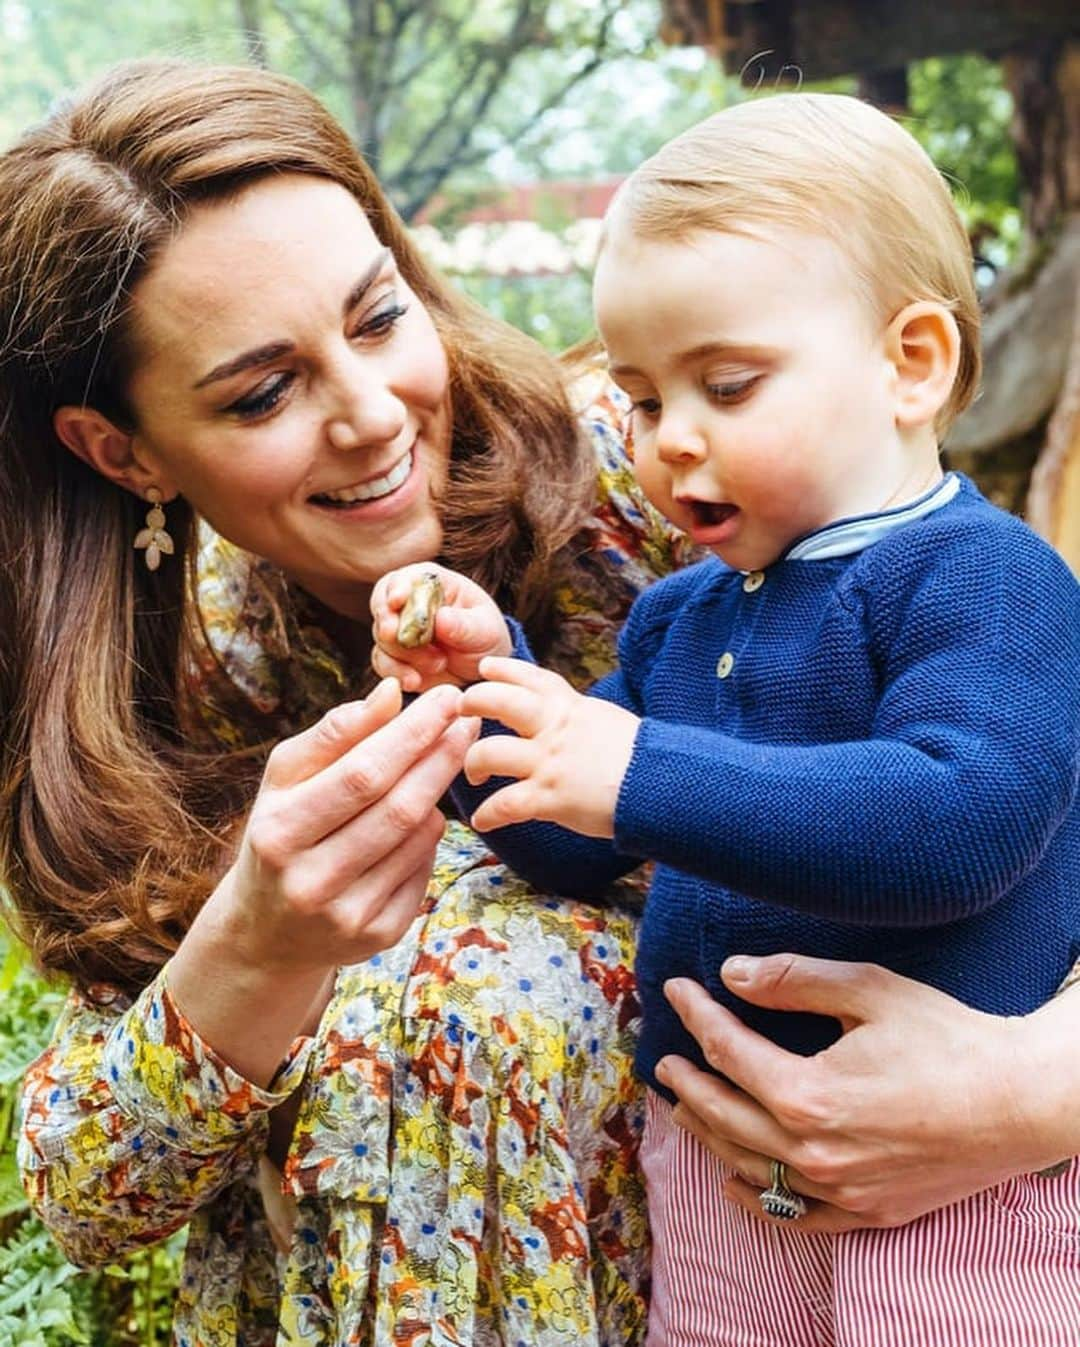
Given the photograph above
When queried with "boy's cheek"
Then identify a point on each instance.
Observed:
(655, 480)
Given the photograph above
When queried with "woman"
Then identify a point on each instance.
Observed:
(208, 311)
(214, 328)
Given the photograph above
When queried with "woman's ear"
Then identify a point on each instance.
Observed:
(923, 344)
(107, 449)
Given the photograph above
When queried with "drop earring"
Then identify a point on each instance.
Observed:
(154, 537)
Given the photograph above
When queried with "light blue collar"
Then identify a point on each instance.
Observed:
(848, 536)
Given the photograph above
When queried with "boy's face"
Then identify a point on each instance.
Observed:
(763, 395)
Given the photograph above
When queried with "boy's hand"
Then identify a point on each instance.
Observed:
(570, 760)
(468, 626)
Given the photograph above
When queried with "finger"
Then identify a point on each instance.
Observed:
(376, 911)
(359, 779)
(421, 671)
(344, 726)
(851, 992)
(499, 755)
(470, 630)
(394, 588)
(511, 804)
(752, 1164)
(520, 673)
(519, 709)
(819, 1216)
(754, 1063)
(387, 667)
(727, 1116)
(387, 830)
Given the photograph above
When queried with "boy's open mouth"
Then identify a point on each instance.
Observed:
(710, 514)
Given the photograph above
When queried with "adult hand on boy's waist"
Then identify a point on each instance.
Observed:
(920, 1103)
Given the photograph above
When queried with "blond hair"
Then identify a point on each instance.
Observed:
(111, 827)
(834, 166)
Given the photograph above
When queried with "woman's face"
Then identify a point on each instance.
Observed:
(293, 389)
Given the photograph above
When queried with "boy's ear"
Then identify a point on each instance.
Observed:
(923, 344)
(109, 450)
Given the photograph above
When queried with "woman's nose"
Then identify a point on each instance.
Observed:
(364, 409)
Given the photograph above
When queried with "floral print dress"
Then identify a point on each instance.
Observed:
(463, 1168)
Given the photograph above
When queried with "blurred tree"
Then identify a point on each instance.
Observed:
(961, 112)
(430, 89)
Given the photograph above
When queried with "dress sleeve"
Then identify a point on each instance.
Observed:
(131, 1122)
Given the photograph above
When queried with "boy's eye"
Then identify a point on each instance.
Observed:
(647, 406)
(734, 390)
(264, 399)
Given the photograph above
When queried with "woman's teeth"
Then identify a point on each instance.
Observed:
(378, 486)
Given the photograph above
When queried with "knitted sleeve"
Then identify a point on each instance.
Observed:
(970, 769)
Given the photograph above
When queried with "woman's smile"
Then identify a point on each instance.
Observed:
(375, 488)
(312, 429)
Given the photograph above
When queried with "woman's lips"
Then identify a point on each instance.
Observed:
(401, 493)
(373, 489)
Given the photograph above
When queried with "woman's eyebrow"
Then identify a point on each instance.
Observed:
(261, 355)
(364, 284)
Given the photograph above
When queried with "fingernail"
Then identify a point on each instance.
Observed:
(663, 1072)
(739, 968)
(674, 986)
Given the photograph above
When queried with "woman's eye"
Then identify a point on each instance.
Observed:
(734, 390)
(382, 322)
(264, 399)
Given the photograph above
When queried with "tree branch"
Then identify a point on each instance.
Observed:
(430, 178)
(251, 29)
(322, 64)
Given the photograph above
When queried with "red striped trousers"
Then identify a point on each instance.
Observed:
(1000, 1269)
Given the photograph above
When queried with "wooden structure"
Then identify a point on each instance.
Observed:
(1021, 440)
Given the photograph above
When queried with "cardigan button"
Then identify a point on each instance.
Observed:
(753, 580)
(725, 664)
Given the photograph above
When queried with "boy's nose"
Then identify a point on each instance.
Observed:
(679, 440)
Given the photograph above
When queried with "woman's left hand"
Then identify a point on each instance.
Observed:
(920, 1103)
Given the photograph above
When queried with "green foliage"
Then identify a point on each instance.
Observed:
(556, 310)
(961, 114)
(44, 1301)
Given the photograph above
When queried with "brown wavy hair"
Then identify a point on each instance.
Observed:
(112, 828)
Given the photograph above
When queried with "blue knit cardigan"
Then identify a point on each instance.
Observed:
(872, 756)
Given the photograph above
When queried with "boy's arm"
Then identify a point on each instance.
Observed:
(553, 858)
(971, 767)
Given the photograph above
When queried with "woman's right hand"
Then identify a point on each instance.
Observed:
(331, 868)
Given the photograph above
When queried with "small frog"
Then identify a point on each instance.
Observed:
(416, 623)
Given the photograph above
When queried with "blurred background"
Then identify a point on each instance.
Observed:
(501, 128)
